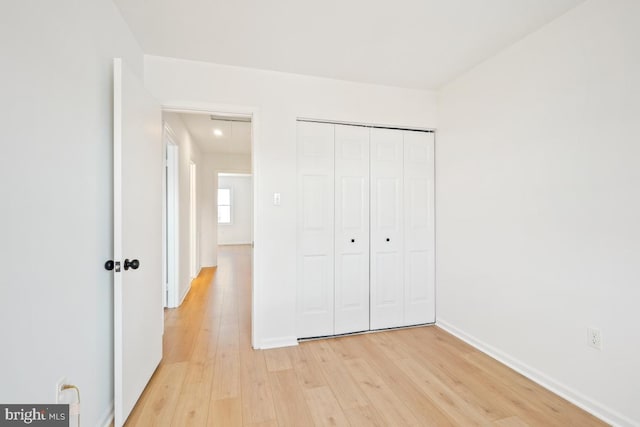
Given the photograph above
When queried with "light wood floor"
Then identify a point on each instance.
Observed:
(210, 376)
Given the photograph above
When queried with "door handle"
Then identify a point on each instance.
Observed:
(353, 240)
(111, 265)
(133, 264)
(388, 239)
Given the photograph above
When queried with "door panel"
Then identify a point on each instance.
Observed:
(315, 304)
(387, 273)
(419, 227)
(138, 312)
(351, 229)
(314, 277)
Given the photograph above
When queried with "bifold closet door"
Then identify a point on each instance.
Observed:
(419, 237)
(315, 296)
(387, 266)
(351, 229)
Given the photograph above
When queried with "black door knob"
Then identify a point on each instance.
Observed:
(353, 240)
(109, 265)
(388, 239)
(133, 264)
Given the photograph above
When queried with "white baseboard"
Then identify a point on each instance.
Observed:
(107, 418)
(596, 409)
(278, 342)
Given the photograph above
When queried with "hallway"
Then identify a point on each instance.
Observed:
(210, 375)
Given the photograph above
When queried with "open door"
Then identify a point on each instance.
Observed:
(137, 240)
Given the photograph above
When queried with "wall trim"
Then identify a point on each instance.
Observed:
(106, 419)
(278, 342)
(598, 410)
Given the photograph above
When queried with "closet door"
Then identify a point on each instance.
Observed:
(419, 303)
(315, 296)
(387, 266)
(351, 229)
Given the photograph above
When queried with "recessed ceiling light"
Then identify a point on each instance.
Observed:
(217, 132)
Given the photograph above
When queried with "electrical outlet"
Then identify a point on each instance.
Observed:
(594, 338)
(59, 392)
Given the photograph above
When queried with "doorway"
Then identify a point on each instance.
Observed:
(208, 143)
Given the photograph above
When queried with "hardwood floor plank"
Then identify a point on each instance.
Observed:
(192, 408)
(336, 374)
(159, 405)
(291, 408)
(421, 405)
(278, 359)
(257, 400)
(325, 409)
(454, 372)
(364, 416)
(226, 380)
(460, 411)
(308, 371)
(510, 422)
(388, 405)
(225, 412)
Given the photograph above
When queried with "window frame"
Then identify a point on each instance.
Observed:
(230, 205)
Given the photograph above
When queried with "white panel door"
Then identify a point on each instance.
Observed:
(387, 265)
(315, 296)
(138, 312)
(351, 229)
(419, 278)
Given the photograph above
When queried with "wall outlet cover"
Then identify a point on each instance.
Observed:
(594, 338)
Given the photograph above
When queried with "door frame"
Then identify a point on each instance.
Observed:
(194, 264)
(170, 220)
(254, 113)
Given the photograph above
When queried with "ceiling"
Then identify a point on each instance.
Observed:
(408, 43)
(235, 138)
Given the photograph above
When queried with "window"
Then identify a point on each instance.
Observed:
(224, 206)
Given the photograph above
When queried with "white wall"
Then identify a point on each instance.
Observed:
(239, 231)
(279, 99)
(538, 204)
(187, 152)
(56, 191)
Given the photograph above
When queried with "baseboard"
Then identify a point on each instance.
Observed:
(184, 295)
(278, 342)
(106, 420)
(596, 409)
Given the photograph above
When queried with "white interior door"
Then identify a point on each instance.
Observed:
(315, 304)
(387, 266)
(351, 229)
(138, 315)
(419, 269)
